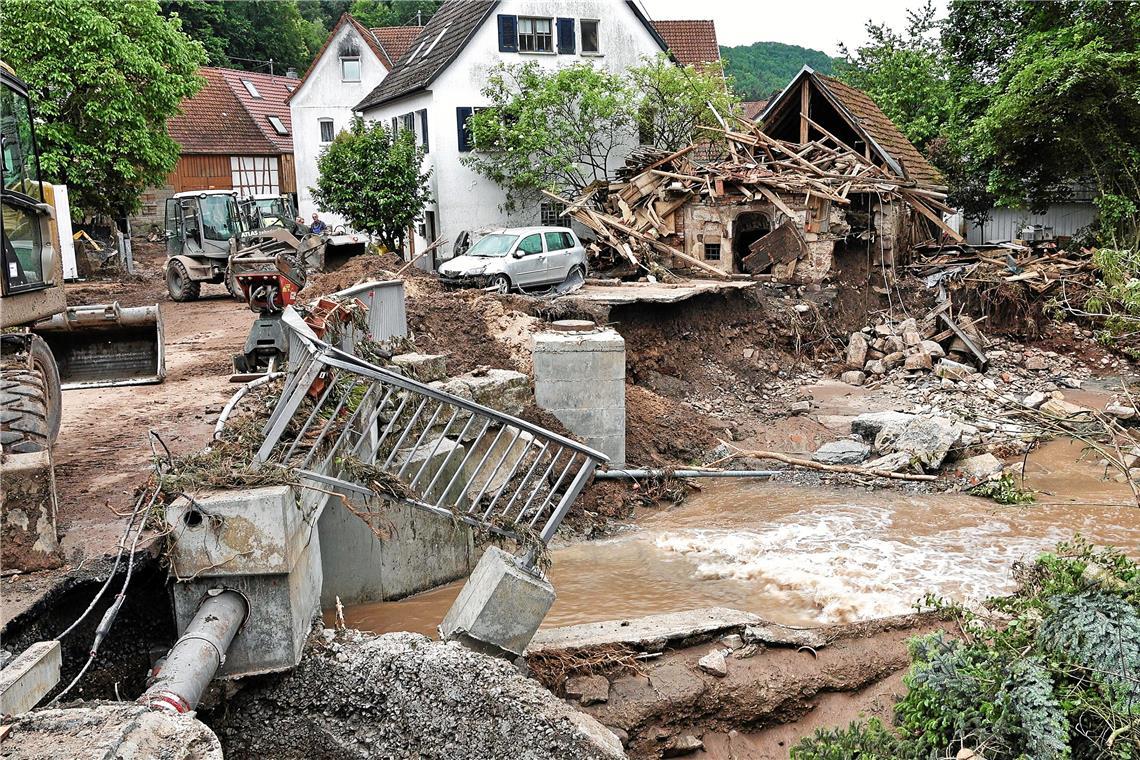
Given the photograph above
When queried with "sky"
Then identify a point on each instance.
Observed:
(819, 24)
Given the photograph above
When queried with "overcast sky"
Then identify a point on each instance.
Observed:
(819, 24)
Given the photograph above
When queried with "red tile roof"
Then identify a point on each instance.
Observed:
(690, 42)
(753, 108)
(395, 40)
(223, 118)
(274, 92)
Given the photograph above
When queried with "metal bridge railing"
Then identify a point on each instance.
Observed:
(345, 423)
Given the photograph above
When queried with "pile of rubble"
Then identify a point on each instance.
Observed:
(950, 348)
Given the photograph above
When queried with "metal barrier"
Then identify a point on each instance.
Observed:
(344, 423)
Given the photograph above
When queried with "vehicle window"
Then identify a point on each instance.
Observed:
(20, 170)
(531, 244)
(23, 244)
(493, 245)
(216, 217)
(567, 240)
(556, 241)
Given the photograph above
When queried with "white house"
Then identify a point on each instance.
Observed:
(352, 62)
(438, 82)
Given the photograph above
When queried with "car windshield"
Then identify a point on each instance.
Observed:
(493, 245)
(216, 219)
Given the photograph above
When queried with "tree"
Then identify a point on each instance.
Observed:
(376, 13)
(760, 70)
(104, 77)
(674, 101)
(375, 180)
(557, 130)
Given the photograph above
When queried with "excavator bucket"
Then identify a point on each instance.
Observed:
(340, 248)
(105, 344)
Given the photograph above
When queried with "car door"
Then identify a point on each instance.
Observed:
(557, 256)
(529, 268)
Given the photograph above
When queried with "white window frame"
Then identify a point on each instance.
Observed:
(251, 88)
(277, 124)
(332, 130)
(345, 59)
(549, 36)
(582, 36)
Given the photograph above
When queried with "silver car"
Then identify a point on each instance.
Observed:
(520, 257)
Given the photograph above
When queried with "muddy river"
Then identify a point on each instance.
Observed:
(806, 556)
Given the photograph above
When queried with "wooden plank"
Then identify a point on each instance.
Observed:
(805, 106)
(921, 208)
(775, 199)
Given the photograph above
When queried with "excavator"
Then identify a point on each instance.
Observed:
(46, 345)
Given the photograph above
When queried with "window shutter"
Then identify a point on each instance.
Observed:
(395, 126)
(462, 114)
(423, 128)
(508, 33)
(566, 44)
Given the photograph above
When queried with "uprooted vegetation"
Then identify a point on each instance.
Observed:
(1048, 672)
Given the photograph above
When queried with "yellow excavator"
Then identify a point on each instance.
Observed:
(45, 345)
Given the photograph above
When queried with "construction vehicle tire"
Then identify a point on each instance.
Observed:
(179, 284)
(232, 286)
(30, 399)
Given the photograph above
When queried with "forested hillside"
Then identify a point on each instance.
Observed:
(763, 68)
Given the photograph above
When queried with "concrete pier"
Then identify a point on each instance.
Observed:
(579, 376)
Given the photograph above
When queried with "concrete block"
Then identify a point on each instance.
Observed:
(500, 607)
(502, 389)
(28, 539)
(426, 368)
(29, 677)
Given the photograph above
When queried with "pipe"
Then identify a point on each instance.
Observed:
(228, 409)
(615, 474)
(195, 658)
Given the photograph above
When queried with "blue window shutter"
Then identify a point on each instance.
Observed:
(462, 114)
(566, 44)
(508, 33)
(423, 128)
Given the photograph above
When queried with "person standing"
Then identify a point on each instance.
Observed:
(317, 227)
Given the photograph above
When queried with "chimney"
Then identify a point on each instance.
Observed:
(292, 73)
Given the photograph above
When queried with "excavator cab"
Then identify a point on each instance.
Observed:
(200, 225)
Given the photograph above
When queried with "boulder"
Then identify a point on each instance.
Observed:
(896, 462)
(927, 439)
(502, 389)
(894, 359)
(1064, 410)
(1036, 363)
(714, 664)
(869, 424)
(853, 377)
(883, 329)
(952, 370)
(875, 367)
(857, 350)
(799, 407)
(1120, 411)
(978, 469)
(921, 360)
(912, 337)
(842, 452)
(1033, 400)
(933, 348)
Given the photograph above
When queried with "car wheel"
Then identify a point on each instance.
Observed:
(577, 271)
(501, 283)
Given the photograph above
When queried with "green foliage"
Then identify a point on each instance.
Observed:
(554, 130)
(1054, 676)
(375, 180)
(104, 77)
(763, 69)
(673, 101)
(375, 13)
(1004, 490)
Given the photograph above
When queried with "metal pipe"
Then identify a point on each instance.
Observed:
(195, 658)
(228, 409)
(614, 474)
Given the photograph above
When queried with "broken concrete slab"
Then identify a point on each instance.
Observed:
(869, 424)
(927, 439)
(110, 730)
(502, 389)
(29, 677)
(774, 634)
(896, 462)
(842, 452)
(426, 368)
(651, 633)
(952, 370)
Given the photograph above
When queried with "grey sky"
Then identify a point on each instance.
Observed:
(819, 24)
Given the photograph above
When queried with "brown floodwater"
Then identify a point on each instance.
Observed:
(805, 556)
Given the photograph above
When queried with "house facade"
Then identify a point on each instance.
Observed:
(353, 61)
(438, 84)
(235, 133)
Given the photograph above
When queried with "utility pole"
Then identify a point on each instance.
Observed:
(419, 18)
(270, 67)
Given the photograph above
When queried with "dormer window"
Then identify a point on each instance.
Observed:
(350, 68)
(250, 88)
(412, 57)
(278, 125)
(435, 42)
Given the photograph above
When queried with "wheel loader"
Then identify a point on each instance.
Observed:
(46, 345)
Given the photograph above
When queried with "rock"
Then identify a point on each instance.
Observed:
(1035, 363)
(895, 343)
(869, 424)
(933, 348)
(749, 353)
(733, 641)
(875, 367)
(853, 377)
(802, 308)
(842, 452)
(921, 360)
(621, 735)
(1070, 382)
(857, 350)
(951, 370)
(423, 367)
(978, 469)
(896, 462)
(714, 664)
(912, 337)
(1120, 411)
(883, 329)
(892, 360)
(1033, 400)
(910, 323)
(685, 744)
(926, 439)
(1064, 410)
(588, 690)
(799, 407)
